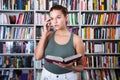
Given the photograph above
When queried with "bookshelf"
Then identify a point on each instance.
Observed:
(87, 18)
(100, 27)
(104, 45)
(16, 39)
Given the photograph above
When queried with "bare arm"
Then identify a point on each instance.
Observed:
(39, 50)
(80, 49)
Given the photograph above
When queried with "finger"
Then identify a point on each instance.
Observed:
(47, 24)
(48, 19)
(55, 63)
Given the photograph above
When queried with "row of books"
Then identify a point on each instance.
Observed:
(41, 17)
(39, 30)
(102, 61)
(17, 4)
(102, 47)
(38, 74)
(16, 62)
(17, 18)
(10, 47)
(74, 29)
(16, 75)
(101, 18)
(47, 4)
(9, 32)
(100, 75)
(99, 5)
(72, 18)
(100, 32)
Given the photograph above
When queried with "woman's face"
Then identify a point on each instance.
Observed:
(58, 20)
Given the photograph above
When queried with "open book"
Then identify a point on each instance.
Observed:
(69, 59)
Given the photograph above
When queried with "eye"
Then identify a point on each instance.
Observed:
(58, 17)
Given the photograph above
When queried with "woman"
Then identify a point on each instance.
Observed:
(61, 43)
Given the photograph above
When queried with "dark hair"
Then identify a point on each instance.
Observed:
(61, 8)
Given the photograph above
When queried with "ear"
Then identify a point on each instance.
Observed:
(67, 19)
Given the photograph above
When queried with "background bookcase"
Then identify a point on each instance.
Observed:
(16, 39)
(100, 29)
(96, 21)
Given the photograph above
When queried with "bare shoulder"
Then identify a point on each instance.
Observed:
(77, 39)
(78, 44)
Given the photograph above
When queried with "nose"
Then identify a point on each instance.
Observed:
(54, 20)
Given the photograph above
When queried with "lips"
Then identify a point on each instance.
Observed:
(55, 25)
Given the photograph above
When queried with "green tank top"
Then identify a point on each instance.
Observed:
(55, 49)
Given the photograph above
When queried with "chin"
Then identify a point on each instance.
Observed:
(56, 28)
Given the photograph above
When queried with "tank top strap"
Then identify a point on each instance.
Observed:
(71, 38)
(52, 35)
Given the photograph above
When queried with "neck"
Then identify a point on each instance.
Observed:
(62, 32)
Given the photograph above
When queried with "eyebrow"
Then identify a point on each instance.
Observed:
(57, 16)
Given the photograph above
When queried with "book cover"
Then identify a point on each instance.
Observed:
(24, 76)
(66, 60)
(1, 47)
(1, 61)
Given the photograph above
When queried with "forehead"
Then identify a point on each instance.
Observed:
(56, 13)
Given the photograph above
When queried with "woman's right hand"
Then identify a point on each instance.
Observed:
(46, 28)
(47, 25)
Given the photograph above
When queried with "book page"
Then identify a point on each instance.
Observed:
(54, 58)
(72, 58)
(69, 59)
